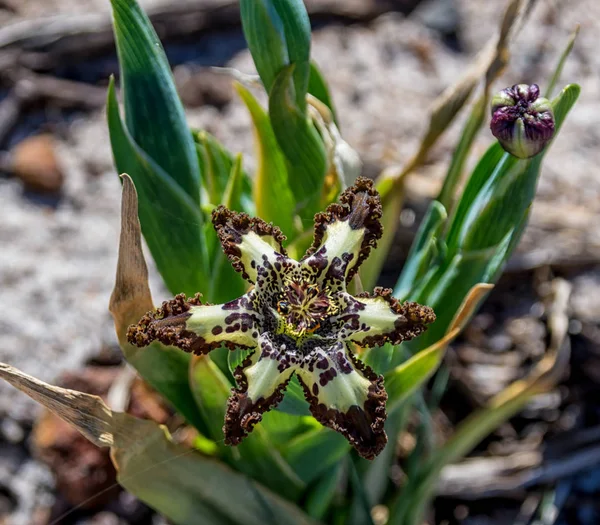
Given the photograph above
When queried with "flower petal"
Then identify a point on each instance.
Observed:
(195, 327)
(380, 318)
(345, 234)
(261, 380)
(250, 243)
(347, 396)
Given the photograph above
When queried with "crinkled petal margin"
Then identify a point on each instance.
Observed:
(334, 386)
(373, 320)
(198, 328)
(345, 233)
(247, 241)
(261, 382)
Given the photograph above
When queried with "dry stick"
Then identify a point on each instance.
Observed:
(10, 110)
(481, 478)
(30, 88)
(64, 93)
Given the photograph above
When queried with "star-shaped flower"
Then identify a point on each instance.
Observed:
(299, 319)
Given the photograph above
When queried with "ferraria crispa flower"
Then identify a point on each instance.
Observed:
(299, 319)
(522, 121)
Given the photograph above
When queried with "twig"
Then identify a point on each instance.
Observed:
(508, 476)
(34, 87)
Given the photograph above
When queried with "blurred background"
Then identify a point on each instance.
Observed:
(385, 60)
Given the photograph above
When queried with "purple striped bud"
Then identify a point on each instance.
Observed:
(522, 121)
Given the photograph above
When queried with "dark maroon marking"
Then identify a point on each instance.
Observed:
(336, 269)
(327, 376)
(232, 305)
(315, 389)
(343, 363)
(322, 363)
(217, 330)
(318, 262)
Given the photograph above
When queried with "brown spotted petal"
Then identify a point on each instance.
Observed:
(347, 396)
(195, 327)
(261, 380)
(251, 244)
(345, 234)
(380, 318)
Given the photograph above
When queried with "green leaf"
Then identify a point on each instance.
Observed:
(360, 507)
(170, 220)
(278, 34)
(317, 87)
(462, 150)
(406, 378)
(299, 141)
(423, 250)
(232, 195)
(153, 112)
(323, 491)
(165, 369)
(447, 289)
(272, 195)
(294, 402)
(494, 160)
(216, 165)
(282, 428)
(391, 190)
(379, 358)
(226, 283)
(313, 453)
(210, 389)
(236, 357)
(255, 456)
(184, 486)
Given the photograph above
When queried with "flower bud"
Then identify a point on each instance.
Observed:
(522, 121)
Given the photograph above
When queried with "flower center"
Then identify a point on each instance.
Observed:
(303, 307)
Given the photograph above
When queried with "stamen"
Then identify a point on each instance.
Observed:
(303, 307)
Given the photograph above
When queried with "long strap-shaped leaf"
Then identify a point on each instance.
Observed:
(184, 486)
(153, 112)
(170, 219)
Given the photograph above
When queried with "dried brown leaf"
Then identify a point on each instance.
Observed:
(131, 297)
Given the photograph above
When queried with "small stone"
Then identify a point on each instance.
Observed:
(34, 161)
